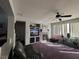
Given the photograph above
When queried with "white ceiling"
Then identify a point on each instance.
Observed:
(45, 10)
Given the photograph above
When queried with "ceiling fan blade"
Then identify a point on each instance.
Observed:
(57, 16)
(66, 16)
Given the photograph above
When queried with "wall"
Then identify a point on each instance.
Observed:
(5, 49)
(27, 41)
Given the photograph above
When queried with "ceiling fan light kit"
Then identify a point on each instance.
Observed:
(59, 16)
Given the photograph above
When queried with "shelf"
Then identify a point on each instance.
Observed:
(34, 33)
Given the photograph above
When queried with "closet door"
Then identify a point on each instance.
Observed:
(20, 31)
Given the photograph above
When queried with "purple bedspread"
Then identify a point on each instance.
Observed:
(56, 51)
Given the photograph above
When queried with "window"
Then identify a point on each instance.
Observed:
(60, 29)
(56, 29)
(74, 29)
(65, 29)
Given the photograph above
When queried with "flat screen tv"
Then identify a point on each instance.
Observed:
(34, 32)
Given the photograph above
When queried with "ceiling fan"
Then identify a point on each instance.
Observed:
(59, 16)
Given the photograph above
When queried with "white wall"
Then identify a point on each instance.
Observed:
(27, 41)
(5, 49)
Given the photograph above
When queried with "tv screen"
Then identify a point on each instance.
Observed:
(34, 32)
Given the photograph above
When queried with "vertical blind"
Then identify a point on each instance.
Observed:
(56, 29)
(64, 29)
(72, 28)
(60, 29)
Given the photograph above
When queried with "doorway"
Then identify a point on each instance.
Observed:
(20, 31)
